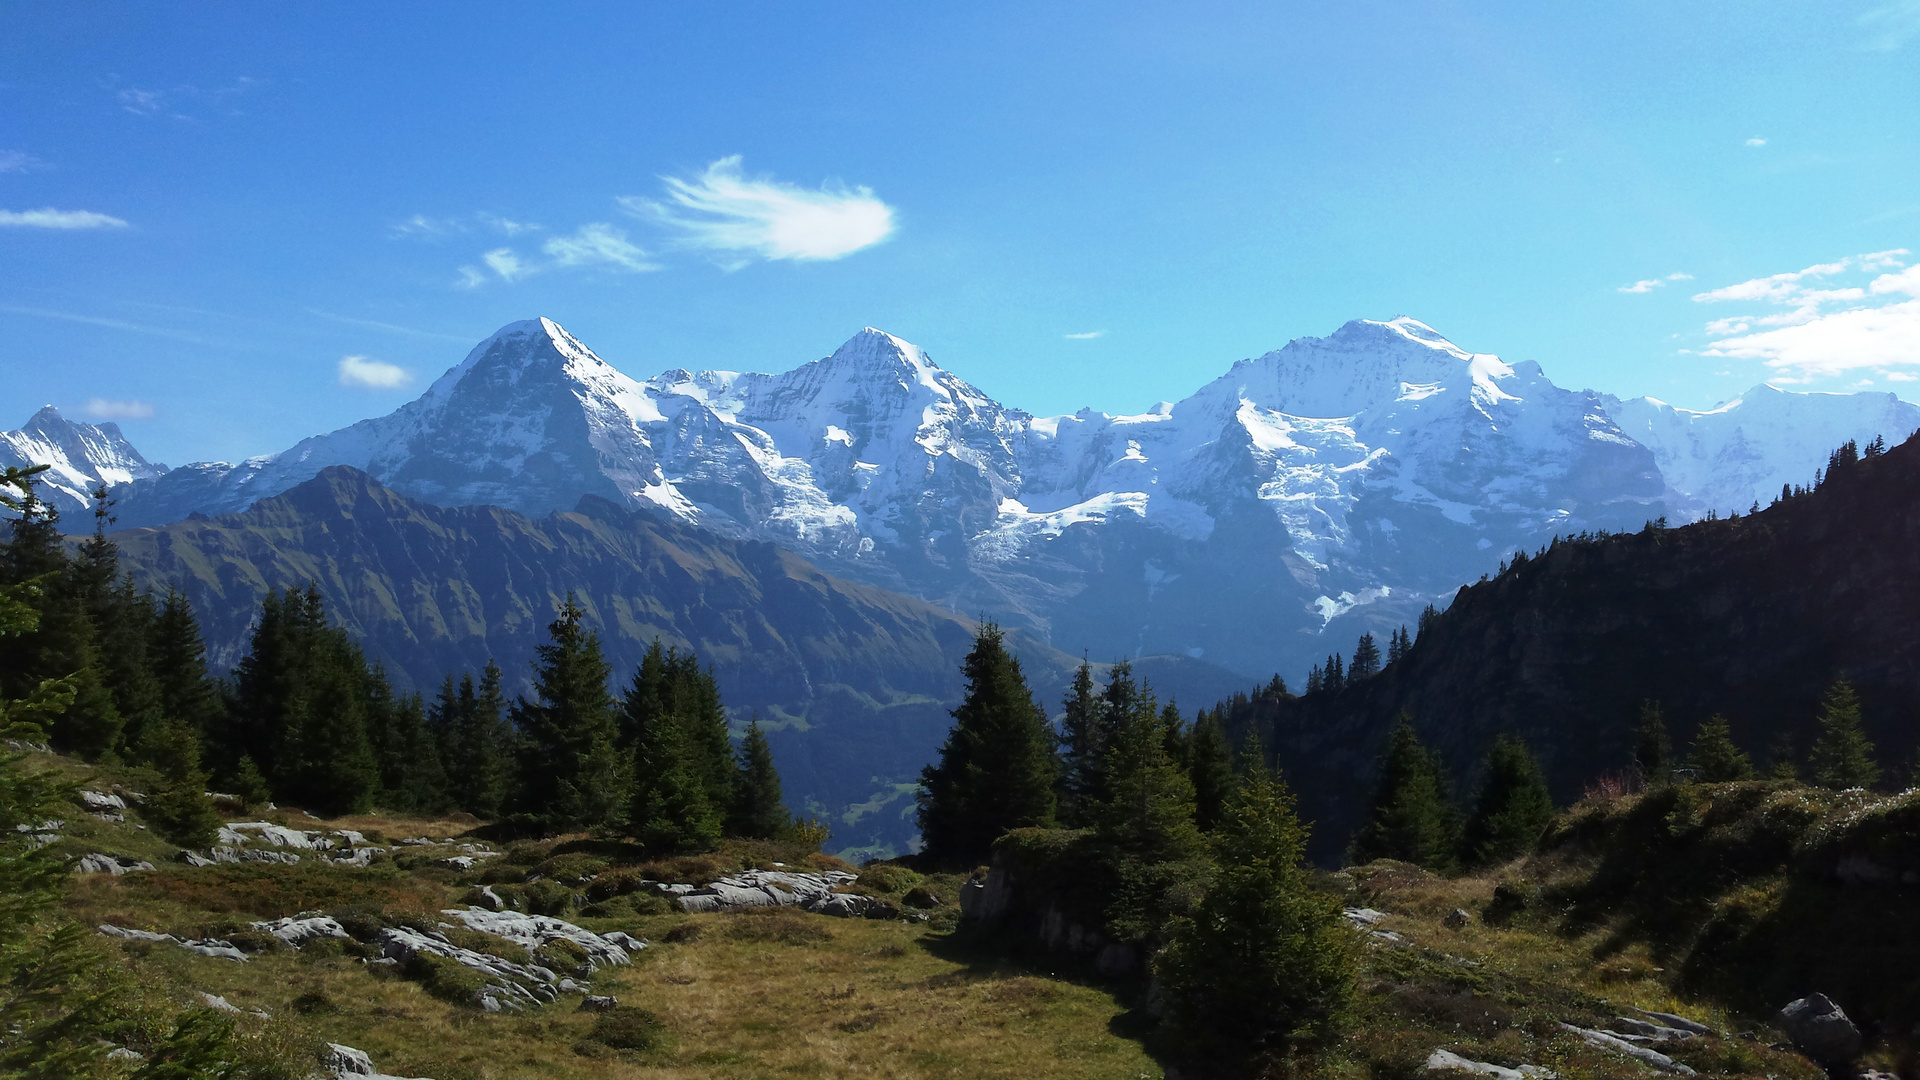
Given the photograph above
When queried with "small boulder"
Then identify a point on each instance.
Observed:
(1458, 918)
(599, 1003)
(1820, 1030)
(921, 897)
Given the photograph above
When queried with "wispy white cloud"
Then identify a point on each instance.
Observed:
(598, 244)
(1645, 286)
(724, 211)
(471, 277)
(1891, 26)
(506, 226)
(373, 374)
(1829, 328)
(1756, 141)
(1088, 336)
(504, 262)
(422, 226)
(102, 409)
(1679, 276)
(49, 218)
(19, 161)
(392, 328)
(172, 101)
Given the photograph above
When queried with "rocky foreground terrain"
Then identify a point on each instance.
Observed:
(415, 947)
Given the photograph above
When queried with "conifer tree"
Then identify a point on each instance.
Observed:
(670, 810)
(1083, 750)
(1397, 645)
(1264, 967)
(1412, 816)
(571, 773)
(122, 620)
(178, 807)
(1512, 809)
(1652, 746)
(1366, 659)
(178, 655)
(1782, 763)
(1211, 768)
(1148, 811)
(1714, 757)
(1316, 680)
(1842, 757)
(996, 768)
(411, 774)
(476, 744)
(758, 810)
(1333, 678)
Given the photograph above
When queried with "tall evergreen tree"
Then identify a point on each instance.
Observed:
(1512, 809)
(1397, 646)
(411, 774)
(1412, 817)
(178, 655)
(476, 744)
(122, 624)
(571, 772)
(1652, 746)
(1842, 757)
(1210, 765)
(1083, 750)
(1265, 965)
(1366, 659)
(1714, 758)
(670, 809)
(996, 768)
(758, 809)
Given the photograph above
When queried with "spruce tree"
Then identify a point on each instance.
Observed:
(1513, 806)
(178, 655)
(178, 807)
(1714, 758)
(571, 773)
(758, 811)
(1842, 757)
(476, 744)
(1083, 750)
(1366, 659)
(1397, 646)
(670, 810)
(996, 768)
(1210, 765)
(1652, 746)
(1264, 967)
(1412, 817)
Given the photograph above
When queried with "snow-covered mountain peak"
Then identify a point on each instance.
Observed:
(80, 457)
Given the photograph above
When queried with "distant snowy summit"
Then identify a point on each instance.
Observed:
(1334, 484)
(80, 458)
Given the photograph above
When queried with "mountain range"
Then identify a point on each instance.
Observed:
(1333, 486)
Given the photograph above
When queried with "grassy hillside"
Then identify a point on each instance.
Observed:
(1604, 919)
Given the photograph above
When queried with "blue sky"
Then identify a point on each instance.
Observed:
(233, 225)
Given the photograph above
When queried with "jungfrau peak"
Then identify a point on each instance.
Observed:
(1334, 484)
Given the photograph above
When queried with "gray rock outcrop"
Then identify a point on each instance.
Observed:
(1821, 1030)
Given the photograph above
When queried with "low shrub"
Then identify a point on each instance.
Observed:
(571, 869)
(782, 926)
(888, 878)
(627, 1027)
(446, 979)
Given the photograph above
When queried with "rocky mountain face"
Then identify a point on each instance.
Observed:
(1336, 485)
(854, 682)
(1751, 616)
(81, 457)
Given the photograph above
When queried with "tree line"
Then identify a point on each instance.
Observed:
(1159, 837)
(306, 718)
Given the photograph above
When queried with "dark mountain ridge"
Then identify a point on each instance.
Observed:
(1752, 616)
(853, 682)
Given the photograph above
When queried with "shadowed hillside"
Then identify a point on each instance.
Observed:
(1752, 616)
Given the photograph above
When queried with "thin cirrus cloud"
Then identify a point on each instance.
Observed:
(16, 161)
(49, 218)
(372, 374)
(742, 218)
(598, 244)
(1651, 284)
(103, 409)
(1756, 141)
(1821, 326)
(1891, 26)
(1088, 336)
